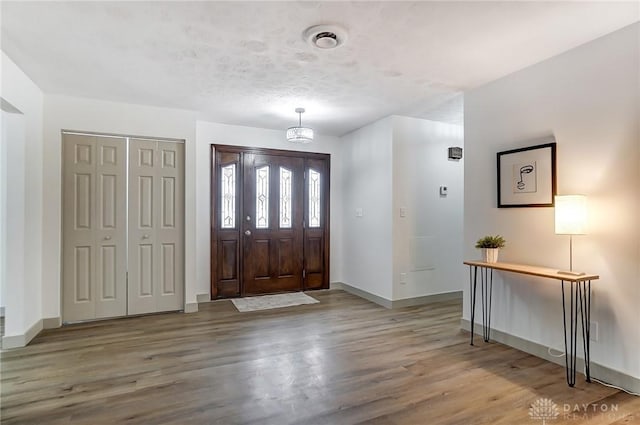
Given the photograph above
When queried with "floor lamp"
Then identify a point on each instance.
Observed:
(571, 219)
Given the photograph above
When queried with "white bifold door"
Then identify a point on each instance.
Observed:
(156, 221)
(95, 227)
(123, 226)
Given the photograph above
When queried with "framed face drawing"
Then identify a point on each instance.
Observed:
(527, 177)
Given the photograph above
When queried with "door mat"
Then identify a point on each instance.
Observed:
(266, 302)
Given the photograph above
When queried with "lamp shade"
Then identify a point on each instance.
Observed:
(571, 214)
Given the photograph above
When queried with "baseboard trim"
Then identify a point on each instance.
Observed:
(427, 299)
(406, 302)
(598, 371)
(362, 294)
(203, 298)
(191, 307)
(51, 322)
(21, 340)
(336, 285)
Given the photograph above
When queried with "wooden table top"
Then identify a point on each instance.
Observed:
(534, 271)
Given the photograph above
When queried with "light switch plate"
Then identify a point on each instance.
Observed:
(403, 211)
(359, 212)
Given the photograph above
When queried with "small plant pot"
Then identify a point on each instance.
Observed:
(490, 255)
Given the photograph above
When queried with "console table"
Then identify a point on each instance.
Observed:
(579, 299)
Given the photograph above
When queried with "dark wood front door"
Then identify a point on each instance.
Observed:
(272, 225)
(270, 221)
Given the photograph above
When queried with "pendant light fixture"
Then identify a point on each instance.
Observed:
(300, 134)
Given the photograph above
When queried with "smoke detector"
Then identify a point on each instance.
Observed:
(325, 36)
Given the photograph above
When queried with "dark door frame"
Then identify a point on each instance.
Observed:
(218, 292)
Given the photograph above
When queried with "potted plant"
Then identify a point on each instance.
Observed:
(490, 246)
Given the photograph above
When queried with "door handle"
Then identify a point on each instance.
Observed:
(107, 238)
(247, 232)
(145, 236)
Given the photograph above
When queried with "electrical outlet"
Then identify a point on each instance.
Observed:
(593, 331)
(403, 278)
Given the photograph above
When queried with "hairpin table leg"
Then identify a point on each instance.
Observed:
(486, 288)
(472, 287)
(486, 282)
(584, 289)
(570, 346)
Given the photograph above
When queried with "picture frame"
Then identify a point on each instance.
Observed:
(527, 176)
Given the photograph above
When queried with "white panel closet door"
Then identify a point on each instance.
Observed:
(94, 227)
(156, 226)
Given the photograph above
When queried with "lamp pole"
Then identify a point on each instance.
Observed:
(570, 253)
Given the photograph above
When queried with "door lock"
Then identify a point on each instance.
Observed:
(247, 232)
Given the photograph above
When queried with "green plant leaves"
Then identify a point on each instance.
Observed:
(496, 241)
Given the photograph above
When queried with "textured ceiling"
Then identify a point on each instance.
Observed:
(246, 62)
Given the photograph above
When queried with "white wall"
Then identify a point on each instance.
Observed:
(13, 259)
(589, 98)
(367, 176)
(208, 133)
(427, 242)
(69, 113)
(24, 152)
(3, 208)
(401, 162)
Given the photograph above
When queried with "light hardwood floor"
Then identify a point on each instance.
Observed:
(342, 361)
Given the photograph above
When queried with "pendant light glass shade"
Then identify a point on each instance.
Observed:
(300, 134)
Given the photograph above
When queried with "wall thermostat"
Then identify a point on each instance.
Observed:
(455, 153)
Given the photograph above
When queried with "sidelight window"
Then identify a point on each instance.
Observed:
(285, 198)
(228, 197)
(314, 198)
(262, 197)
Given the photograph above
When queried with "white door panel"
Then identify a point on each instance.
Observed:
(111, 254)
(94, 227)
(141, 226)
(78, 222)
(170, 231)
(156, 217)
